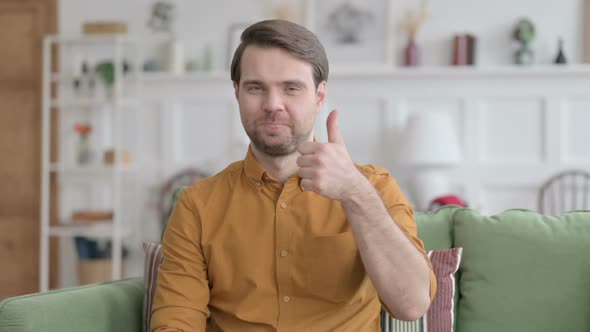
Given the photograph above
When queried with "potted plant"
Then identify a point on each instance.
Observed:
(106, 71)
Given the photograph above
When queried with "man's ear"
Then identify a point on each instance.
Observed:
(236, 89)
(321, 95)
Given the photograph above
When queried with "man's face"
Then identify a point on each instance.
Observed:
(278, 100)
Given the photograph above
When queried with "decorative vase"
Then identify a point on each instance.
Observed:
(560, 59)
(175, 57)
(83, 153)
(411, 54)
(524, 56)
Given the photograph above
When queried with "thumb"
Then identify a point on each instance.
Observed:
(334, 135)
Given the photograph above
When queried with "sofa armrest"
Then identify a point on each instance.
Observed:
(105, 307)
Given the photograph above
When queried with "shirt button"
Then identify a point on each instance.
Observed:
(286, 299)
(283, 205)
(284, 253)
(258, 183)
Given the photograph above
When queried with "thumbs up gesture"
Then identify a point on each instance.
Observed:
(334, 135)
(326, 168)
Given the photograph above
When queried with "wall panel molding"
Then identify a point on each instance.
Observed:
(546, 103)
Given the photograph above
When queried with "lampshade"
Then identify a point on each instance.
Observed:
(429, 140)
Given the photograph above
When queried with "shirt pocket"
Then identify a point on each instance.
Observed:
(334, 271)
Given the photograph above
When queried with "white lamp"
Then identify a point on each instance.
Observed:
(429, 146)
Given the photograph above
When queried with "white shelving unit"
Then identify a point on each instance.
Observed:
(348, 73)
(125, 97)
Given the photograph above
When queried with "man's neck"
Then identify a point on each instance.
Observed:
(279, 168)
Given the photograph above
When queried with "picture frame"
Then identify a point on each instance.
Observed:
(355, 33)
(233, 41)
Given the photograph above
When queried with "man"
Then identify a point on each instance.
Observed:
(296, 237)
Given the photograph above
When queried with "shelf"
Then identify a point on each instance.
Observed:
(163, 76)
(132, 78)
(390, 72)
(116, 101)
(95, 229)
(90, 169)
(87, 103)
(466, 72)
(92, 39)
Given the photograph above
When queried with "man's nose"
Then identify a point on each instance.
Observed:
(274, 102)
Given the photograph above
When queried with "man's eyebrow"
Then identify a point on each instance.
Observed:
(247, 82)
(294, 82)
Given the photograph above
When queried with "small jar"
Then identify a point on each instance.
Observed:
(83, 153)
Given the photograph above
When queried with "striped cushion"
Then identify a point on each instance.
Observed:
(153, 258)
(390, 324)
(440, 316)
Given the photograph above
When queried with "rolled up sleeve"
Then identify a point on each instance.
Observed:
(402, 214)
(182, 293)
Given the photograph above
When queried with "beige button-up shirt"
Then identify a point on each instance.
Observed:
(244, 252)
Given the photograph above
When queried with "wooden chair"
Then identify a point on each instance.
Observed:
(566, 191)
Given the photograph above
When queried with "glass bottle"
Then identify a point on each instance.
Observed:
(83, 153)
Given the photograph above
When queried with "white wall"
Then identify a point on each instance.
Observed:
(206, 22)
(516, 126)
(202, 110)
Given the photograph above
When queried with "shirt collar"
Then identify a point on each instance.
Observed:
(252, 167)
(256, 172)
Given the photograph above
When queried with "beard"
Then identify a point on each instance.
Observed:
(283, 144)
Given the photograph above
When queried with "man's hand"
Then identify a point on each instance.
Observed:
(326, 168)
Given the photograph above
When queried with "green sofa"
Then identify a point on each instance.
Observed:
(520, 271)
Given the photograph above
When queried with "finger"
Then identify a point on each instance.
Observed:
(306, 160)
(307, 184)
(308, 147)
(306, 172)
(334, 135)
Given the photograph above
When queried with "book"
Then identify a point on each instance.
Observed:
(104, 27)
(83, 216)
(464, 49)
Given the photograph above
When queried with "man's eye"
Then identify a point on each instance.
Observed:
(254, 89)
(293, 89)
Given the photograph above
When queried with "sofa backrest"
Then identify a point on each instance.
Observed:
(111, 306)
(522, 271)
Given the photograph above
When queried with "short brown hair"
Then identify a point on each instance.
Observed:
(286, 35)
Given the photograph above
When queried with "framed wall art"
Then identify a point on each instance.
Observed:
(354, 32)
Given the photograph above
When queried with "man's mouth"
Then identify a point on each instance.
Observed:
(273, 125)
